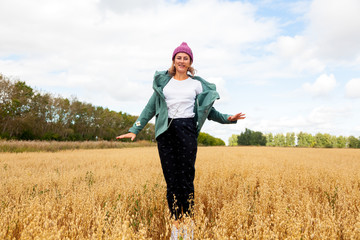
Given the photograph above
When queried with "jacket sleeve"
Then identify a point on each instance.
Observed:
(146, 115)
(216, 116)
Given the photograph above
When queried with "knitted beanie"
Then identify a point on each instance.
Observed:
(184, 48)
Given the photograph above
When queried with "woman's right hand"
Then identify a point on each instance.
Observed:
(127, 135)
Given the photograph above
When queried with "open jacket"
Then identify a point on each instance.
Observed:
(157, 107)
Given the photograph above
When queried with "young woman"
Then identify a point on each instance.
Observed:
(181, 102)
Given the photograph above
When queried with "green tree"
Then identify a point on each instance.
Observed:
(341, 142)
(251, 138)
(270, 140)
(233, 140)
(206, 139)
(15, 99)
(354, 142)
(27, 114)
(279, 140)
(305, 140)
(290, 139)
(323, 140)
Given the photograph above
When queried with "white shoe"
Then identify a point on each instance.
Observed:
(188, 236)
(188, 231)
(174, 233)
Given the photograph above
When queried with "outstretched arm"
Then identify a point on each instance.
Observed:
(130, 135)
(147, 113)
(236, 117)
(224, 118)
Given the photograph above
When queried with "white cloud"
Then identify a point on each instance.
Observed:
(321, 115)
(324, 119)
(221, 88)
(125, 6)
(322, 86)
(299, 7)
(334, 27)
(121, 48)
(106, 51)
(297, 52)
(331, 37)
(352, 88)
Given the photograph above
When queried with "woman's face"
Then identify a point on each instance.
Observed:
(182, 62)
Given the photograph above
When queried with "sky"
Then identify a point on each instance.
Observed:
(290, 66)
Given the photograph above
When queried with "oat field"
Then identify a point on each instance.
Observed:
(240, 193)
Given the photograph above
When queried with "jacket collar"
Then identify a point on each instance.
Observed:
(205, 84)
(161, 78)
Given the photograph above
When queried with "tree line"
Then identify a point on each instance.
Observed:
(208, 140)
(319, 140)
(27, 114)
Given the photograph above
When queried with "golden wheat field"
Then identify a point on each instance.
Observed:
(240, 193)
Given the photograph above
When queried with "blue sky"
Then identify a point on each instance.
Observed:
(291, 66)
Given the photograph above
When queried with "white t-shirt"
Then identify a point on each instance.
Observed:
(180, 97)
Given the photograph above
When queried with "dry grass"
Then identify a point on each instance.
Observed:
(241, 193)
(55, 146)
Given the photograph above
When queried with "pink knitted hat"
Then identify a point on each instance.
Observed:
(184, 48)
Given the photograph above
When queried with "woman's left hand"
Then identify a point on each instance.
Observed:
(237, 116)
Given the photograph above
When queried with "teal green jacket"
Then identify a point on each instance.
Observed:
(157, 107)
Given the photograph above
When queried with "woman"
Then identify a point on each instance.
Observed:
(181, 103)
